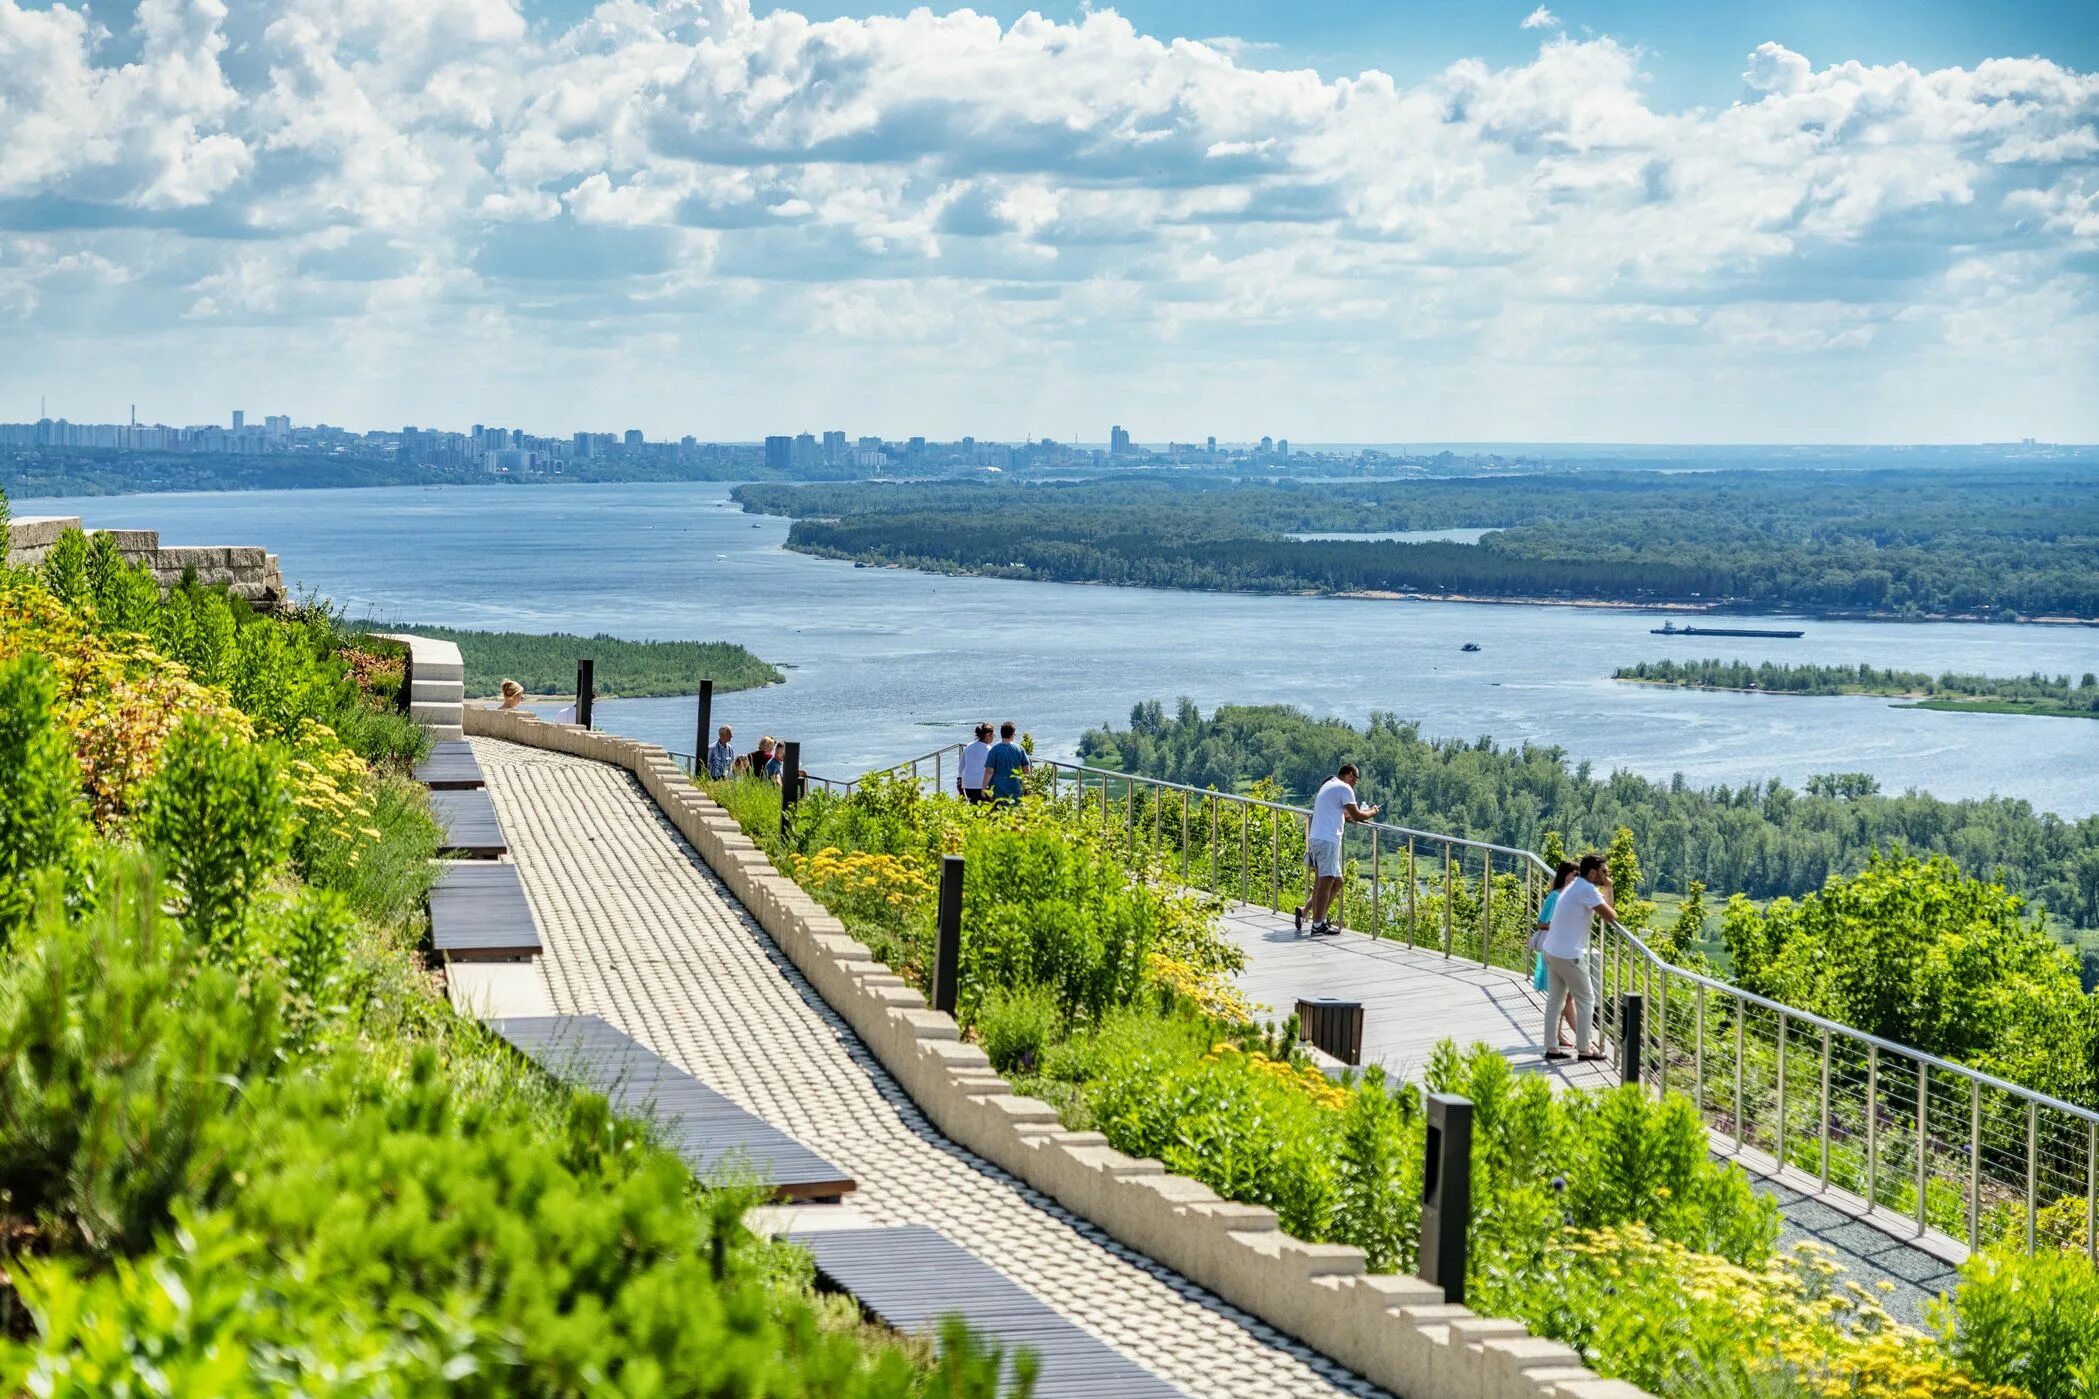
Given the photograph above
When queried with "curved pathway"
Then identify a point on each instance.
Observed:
(639, 931)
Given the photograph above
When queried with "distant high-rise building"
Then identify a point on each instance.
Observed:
(581, 444)
(834, 447)
(633, 437)
(917, 446)
(1267, 445)
(1210, 445)
(1282, 446)
(240, 419)
(779, 453)
(1118, 441)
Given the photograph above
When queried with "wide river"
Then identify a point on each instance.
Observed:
(885, 663)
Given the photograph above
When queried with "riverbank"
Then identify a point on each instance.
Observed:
(1909, 700)
(545, 663)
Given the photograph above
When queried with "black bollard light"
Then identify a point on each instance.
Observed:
(1632, 1030)
(1446, 1194)
(705, 730)
(586, 689)
(947, 944)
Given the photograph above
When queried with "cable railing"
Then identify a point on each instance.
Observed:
(1924, 1142)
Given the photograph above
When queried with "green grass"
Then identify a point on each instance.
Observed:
(546, 664)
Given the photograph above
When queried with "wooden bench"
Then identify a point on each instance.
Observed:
(909, 1277)
(468, 820)
(451, 767)
(718, 1139)
(479, 913)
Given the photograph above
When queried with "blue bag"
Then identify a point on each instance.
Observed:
(1538, 976)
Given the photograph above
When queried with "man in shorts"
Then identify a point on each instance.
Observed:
(1334, 807)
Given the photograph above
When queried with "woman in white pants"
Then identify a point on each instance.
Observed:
(1566, 948)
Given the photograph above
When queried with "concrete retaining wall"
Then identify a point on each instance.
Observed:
(1395, 1331)
(247, 572)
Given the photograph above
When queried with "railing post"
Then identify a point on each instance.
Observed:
(2091, 1191)
(1698, 1051)
(1446, 898)
(1446, 1194)
(586, 687)
(1275, 861)
(1974, 1161)
(1413, 891)
(790, 784)
(1824, 1131)
(1741, 1125)
(1377, 926)
(947, 935)
(1923, 1139)
(1632, 1013)
(2033, 1167)
(1781, 1142)
(1872, 1126)
(1661, 1017)
(1486, 907)
(1245, 812)
(704, 728)
(1184, 835)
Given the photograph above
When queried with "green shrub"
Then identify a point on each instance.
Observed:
(43, 822)
(2032, 1322)
(64, 571)
(120, 1051)
(1015, 1026)
(1042, 908)
(387, 873)
(218, 817)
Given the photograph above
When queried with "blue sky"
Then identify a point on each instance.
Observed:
(1398, 221)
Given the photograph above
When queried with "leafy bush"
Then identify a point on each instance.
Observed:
(2028, 1322)
(1015, 1026)
(120, 1051)
(218, 817)
(42, 824)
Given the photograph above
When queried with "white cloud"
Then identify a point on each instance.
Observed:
(634, 177)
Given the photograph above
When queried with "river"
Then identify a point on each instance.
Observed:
(886, 663)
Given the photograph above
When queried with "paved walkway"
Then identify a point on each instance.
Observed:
(639, 931)
(1412, 999)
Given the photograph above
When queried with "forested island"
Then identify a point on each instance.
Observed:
(1762, 840)
(2004, 544)
(1988, 694)
(545, 663)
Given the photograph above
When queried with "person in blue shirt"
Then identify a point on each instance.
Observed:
(1008, 760)
(721, 757)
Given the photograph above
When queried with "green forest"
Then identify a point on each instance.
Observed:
(545, 664)
(1998, 544)
(1760, 840)
(2018, 694)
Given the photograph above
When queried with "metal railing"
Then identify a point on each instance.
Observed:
(1922, 1139)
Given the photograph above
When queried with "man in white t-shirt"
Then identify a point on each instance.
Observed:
(1334, 807)
(1566, 948)
(969, 778)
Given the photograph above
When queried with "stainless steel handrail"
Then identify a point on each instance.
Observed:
(1944, 1091)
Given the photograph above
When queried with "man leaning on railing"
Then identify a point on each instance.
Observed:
(1566, 949)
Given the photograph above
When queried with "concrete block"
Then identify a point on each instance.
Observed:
(1507, 1363)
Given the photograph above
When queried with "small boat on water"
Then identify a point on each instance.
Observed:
(1672, 629)
(1470, 646)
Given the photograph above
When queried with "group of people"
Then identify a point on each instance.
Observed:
(990, 772)
(1560, 938)
(767, 760)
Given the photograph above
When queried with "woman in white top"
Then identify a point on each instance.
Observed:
(1566, 946)
(969, 774)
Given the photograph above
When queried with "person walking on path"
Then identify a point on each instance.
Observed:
(1334, 807)
(1561, 874)
(1005, 763)
(1566, 949)
(721, 758)
(513, 694)
(976, 756)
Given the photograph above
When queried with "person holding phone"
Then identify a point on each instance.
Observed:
(1566, 949)
(1333, 808)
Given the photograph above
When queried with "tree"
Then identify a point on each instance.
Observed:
(42, 818)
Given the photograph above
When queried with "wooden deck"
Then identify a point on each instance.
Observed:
(1411, 999)
(479, 912)
(718, 1139)
(910, 1277)
(468, 820)
(451, 767)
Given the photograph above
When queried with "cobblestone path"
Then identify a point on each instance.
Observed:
(639, 931)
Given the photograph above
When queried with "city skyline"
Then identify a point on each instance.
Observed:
(1519, 224)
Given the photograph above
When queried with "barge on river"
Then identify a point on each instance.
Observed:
(1672, 629)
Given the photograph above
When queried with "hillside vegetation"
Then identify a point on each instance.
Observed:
(1919, 543)
(545, 663)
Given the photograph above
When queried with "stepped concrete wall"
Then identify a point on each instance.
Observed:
(1396, 1331)
(251, 573)
(436, 683)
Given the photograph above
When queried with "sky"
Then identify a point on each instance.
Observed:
(1348, 221)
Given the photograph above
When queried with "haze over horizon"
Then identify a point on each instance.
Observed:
(1616, 223)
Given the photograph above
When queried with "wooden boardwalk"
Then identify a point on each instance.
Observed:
(1411, 998)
